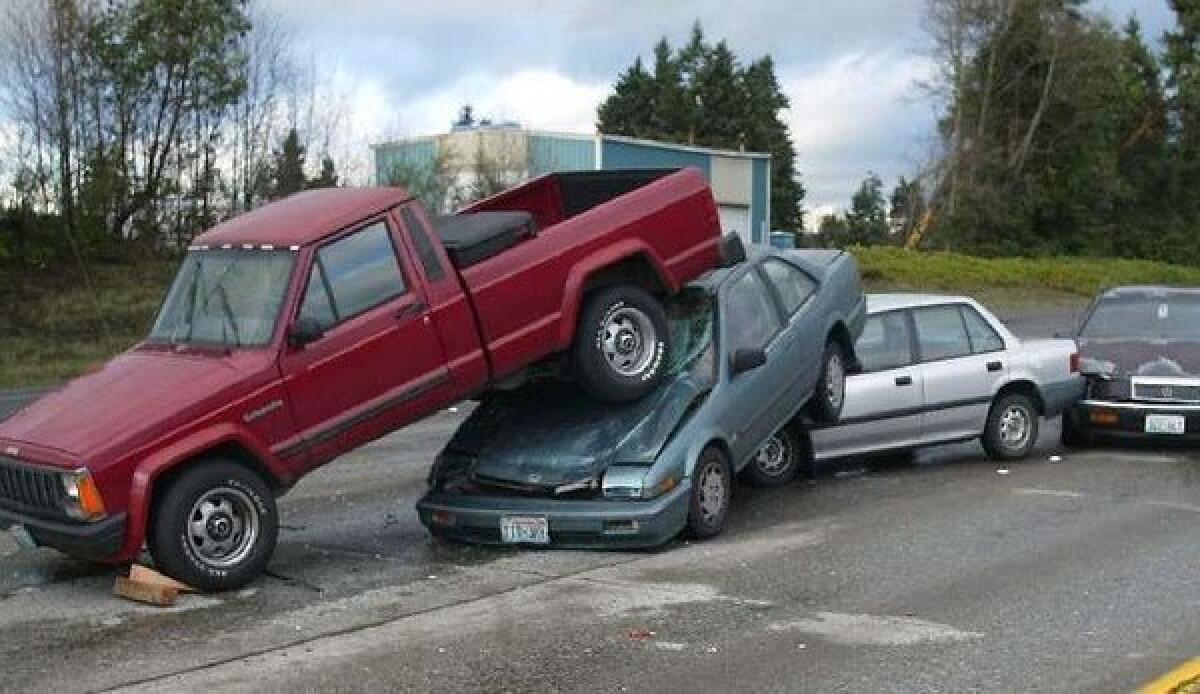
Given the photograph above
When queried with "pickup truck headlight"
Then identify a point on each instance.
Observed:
(83, 500)
(636, 483)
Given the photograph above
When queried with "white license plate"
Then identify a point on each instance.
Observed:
(1165, 424)
(524, 530)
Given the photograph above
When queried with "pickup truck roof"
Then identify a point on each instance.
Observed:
(306, 217)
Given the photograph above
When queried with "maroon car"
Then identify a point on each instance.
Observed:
(304, 329)
(1140, 351)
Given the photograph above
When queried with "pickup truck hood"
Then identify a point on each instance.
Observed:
(548, 434)
(134, 398)
(1123, 358)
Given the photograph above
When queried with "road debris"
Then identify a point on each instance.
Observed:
(1002, 471)
(1056, 458)
(640, 634)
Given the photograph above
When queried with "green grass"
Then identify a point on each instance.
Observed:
(57, 324)
(1012, 279)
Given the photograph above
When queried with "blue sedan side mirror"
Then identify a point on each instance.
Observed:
(746, 359)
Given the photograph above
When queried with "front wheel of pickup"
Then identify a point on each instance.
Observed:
(621, 344)
(214, 526)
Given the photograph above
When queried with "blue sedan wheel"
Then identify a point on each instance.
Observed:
(777, 462)
(712, 487)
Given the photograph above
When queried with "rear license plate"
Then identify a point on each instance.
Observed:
(1165, 424)
(524, 530)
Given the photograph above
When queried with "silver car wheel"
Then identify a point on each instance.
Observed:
(775, 456)
(1014, 427)
(629, 341)
(223, 527)
(835, 381)
(712, 492)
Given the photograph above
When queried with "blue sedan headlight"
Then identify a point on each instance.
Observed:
(625, 482)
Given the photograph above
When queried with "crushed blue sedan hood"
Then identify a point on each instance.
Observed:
(551, 433)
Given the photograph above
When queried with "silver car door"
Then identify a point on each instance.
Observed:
(958, 382)
(883, 402)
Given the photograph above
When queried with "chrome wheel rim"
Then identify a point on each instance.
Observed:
(223, 527)
(628, 341)
(712, 492)
(835, 381)
(775, 456)
(1014, 427)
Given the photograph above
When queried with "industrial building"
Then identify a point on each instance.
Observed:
(740, 181)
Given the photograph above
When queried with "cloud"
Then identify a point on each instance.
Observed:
(855, 113)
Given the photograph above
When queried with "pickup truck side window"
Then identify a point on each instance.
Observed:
(886, 342)
(751, 317)
(420, 237)
(984, 337)
(941, 333)
(352, 275)
(793, 285)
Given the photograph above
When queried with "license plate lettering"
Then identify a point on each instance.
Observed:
(1165, 424)
(521, 530)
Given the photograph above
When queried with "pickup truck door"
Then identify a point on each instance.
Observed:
(883, 402)
(379, 364)
(960, 378)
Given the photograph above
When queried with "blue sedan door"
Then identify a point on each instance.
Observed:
(750, 319)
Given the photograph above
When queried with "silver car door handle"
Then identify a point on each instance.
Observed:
(904, 380)
(995, 365)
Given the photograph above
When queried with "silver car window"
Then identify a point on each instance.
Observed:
(984, 337)
(885, 342)
(793, 285)
(750, 314)
(941, 333)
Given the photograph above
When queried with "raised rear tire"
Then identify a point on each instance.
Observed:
(829, 395)
(621, 344)
(778, 461)
(214, 526)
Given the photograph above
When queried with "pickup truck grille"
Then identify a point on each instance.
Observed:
(1166, 392)
(25, 488)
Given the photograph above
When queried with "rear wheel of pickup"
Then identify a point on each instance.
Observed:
(712, 492)
(620, 347)
(214, 526)
(1012, 428)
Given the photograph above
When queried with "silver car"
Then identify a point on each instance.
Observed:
(938, 369)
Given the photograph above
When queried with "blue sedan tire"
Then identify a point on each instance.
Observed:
(712, 492)
(777, 462)
(829, 395)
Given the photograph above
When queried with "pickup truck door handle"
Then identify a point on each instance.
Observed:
(995, 365)
(904, 380)
(413, 309)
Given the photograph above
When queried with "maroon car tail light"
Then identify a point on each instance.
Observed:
(1075, 362)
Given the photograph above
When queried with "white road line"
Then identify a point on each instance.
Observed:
(1062, 493)
(874, 630)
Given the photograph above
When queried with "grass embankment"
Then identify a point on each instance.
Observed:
(1012, 280)
(54, 325)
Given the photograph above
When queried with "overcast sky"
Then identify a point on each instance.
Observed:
(849, 67)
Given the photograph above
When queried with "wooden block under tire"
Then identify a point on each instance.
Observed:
(144, 574)
(149, 593)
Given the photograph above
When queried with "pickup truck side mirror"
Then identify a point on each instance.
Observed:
(747, 359)
(305, 330)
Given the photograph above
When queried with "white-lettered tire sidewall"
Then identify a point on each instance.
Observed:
(592, 369)
(172, 551)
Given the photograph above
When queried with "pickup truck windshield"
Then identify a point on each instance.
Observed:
(229, 297)
(1171, 317)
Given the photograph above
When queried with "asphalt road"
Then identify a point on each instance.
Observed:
(954, 574)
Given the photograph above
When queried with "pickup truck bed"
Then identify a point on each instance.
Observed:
(471, 238)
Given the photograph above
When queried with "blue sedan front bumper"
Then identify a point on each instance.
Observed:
(572, 524)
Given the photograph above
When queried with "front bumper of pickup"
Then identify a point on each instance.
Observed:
(573, 524)
(1126, 420)
(94, 541)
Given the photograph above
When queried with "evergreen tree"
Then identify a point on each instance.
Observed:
(287, 175)
(701, 95)
(328, 177)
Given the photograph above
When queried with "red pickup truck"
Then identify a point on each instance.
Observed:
(304, 329)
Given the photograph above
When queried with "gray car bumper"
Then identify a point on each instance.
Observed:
(572, 524)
